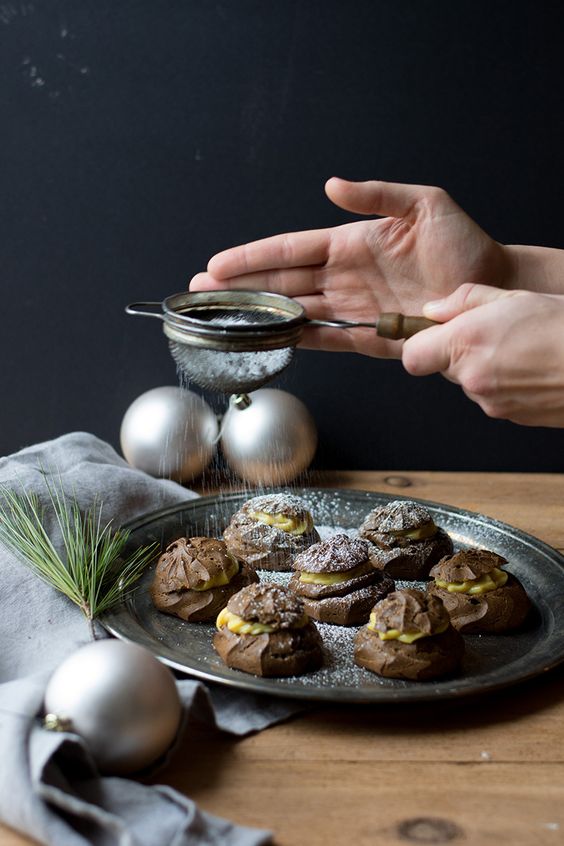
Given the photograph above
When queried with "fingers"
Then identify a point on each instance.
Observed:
(464, 298)
(441, 348)
(429, 352)
(392, 199)
(206, 282)
(293, 249)
(293, 282)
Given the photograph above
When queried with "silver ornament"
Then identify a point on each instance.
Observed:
(169, 432)
(120, 699)
(271, 441)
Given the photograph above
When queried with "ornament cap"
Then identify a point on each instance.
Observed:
(52, 722)
(240, 401)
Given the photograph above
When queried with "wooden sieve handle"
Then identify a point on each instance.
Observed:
(395, 326)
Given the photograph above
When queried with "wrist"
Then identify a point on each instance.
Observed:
(538, 269)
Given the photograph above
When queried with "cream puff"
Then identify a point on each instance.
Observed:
(268, 531)
(478, 594)
(195, 577)
(409, 636)
(340, 580)
(265, 630)
(407, 540)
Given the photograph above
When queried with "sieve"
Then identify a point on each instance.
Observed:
(236, 341)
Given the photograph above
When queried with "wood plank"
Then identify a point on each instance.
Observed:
(514, 727)
(9, 837)
(373, 802)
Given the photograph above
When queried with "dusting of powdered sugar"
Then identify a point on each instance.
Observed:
(333, 555)
(278, 503)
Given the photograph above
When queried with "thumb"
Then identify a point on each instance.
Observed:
(465, 297)
(392, 199)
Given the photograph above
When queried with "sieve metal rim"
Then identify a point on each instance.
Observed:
(187, 329)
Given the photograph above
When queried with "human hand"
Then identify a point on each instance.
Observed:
(505, 349)
(424, 249)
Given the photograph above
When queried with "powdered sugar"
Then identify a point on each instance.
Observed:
(333, 555)
(278, 503)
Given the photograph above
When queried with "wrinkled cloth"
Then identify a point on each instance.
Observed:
(49, 786)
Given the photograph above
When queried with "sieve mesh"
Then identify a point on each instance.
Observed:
(228, 371)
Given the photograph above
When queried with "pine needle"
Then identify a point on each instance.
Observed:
(92, 571)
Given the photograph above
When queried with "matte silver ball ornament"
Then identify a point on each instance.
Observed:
(272, 440)
(169, 432)
(120, 699)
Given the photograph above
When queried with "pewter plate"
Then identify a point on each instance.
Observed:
(491, 662)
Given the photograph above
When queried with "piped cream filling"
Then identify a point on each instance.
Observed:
(489, 581)
(237, 625)
(406, 637)
(222, 578)
(330, 578)
(427, 530)
(284, 522)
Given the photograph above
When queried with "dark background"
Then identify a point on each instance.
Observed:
(139, 138)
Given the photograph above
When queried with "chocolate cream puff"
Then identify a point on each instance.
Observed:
(478, 594)
(269, 530)
(407, 540)
(409, 636)
(196, 576)
(264, 630)
(339, 580)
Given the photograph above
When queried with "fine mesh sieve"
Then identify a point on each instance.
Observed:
(236, 341)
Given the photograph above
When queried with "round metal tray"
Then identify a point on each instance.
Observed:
(491, 661)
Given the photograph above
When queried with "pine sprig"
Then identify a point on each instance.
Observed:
(92, 571)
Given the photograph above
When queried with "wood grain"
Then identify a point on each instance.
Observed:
(487, 771)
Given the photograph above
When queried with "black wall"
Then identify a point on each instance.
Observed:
(139, 138)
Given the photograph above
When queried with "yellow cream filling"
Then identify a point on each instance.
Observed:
(330, 578)
(237, 625)
(406, 637)
(283, 522)
(221, 578)
(428, 530)
(489, 581)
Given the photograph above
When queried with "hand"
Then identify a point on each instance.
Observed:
(505, 348)
(425, 249)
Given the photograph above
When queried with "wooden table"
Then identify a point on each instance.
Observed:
(488, 772)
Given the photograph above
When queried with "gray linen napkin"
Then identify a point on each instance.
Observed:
(49, 786)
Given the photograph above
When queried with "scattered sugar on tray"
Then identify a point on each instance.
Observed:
(274, 577)
(339, 669)
(401, 585)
